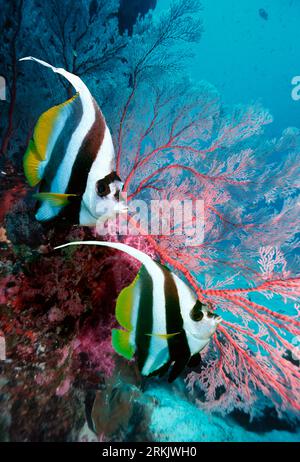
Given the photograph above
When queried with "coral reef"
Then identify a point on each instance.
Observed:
(175, 140)
(56, 318)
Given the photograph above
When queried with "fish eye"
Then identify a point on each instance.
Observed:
(196, 313)
(102, 188)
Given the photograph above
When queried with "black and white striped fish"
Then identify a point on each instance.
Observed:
(72, 158)
(162, 320)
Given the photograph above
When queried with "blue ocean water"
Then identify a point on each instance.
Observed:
(249, 58)
(250, 52)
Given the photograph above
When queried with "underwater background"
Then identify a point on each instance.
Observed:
(198, 97)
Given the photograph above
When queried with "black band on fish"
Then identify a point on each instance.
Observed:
(84, 160)
(145, 318)
(194, 361)
(178, 345)
(61, 144)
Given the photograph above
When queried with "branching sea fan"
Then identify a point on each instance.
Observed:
(175, 140)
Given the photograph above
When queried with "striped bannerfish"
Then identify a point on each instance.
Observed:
(162, 320)
(71, 156)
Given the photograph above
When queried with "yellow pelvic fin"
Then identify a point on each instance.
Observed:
(120, 343)
(31, 164)
(55, 199)
(124, 305)
(164, 336)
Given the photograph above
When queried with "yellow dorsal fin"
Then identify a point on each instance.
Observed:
(120, 343)
(45, 126)
(56, 199)
(37, 148)
(124, 305)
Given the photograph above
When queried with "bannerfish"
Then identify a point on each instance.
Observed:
(263, 14)
(72, 159)
(161, 319)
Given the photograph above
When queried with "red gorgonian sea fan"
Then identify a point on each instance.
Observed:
(176, 140)
(179, 143)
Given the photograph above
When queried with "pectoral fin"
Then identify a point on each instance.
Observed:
(164, 336)
(55, 199)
